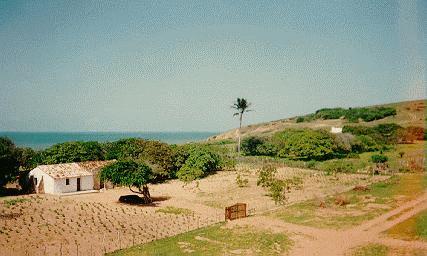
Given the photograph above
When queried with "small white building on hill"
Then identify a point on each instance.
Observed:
(68, 177)
(336, 129)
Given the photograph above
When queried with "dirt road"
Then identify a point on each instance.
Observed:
(314, 241)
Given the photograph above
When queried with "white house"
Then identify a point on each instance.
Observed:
(68, 177)
(336, 129)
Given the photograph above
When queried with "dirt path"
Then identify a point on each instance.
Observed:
(314, 241)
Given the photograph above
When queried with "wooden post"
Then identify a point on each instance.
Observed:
(60, 249)
(77, 247)
(118, 234)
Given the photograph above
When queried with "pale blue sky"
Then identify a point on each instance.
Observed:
(178, 65)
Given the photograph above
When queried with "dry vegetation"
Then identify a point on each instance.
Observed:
(45, 225)
(410, 113)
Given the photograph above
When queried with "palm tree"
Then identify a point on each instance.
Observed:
(241, 106)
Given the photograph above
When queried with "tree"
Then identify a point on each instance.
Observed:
(241, 106)
(130, 173)
(9, 162)
(75, 151)
(27, 158)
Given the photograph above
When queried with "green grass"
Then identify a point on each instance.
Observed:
(371, 250)
(214, 240)
(175, 210)
(414, 228)
(384, 195)
(15, 201)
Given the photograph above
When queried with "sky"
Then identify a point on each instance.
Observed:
(179, 65)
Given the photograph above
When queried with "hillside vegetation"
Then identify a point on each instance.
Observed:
(405, 114)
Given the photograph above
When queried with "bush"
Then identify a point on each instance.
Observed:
(379, 159)
(267, 149)
(311, 164)
(9, 162)
(266, 176)
(338, 166)
(381, 134)
(250, 146)
(364, 143)
(354, 114)
(200, 162)
(160, 157)
(267, 179)
(76, 151)
(188, 173)
(241, 182)
(130, 148)
(305, 144)
(277, 191)
(300, 119)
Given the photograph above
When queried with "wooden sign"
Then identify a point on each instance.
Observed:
(236, 211)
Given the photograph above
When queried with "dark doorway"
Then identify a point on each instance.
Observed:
(78, 184)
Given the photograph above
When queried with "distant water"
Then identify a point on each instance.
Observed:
(40, 140)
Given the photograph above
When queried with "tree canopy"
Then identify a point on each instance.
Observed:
(9, 162)
(129, 173)
(75, 151)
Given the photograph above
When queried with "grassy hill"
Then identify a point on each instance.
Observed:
(408, 113)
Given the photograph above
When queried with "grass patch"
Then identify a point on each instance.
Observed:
(15, 201)
(414, 228)
(362, 205)
(371, 250)
(175, 210)
(215, 240)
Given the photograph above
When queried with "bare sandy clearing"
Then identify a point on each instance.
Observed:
(96, 223)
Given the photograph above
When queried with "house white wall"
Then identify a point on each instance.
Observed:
(48, 181)
(336, 130)
(86, 183)
(56, 186)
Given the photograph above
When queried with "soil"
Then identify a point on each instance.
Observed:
(92, 224)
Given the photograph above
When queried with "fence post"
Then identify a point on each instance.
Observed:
(103, 243)
(120, 245)
(44, 249)
(60, 249)
(77, 247)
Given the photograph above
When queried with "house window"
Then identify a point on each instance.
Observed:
(67, 181)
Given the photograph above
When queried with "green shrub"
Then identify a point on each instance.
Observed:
(189, 173)
(381, 134)
(76, 151)
(250, 146)
(379, 159)
(200, 162)
(364, 143)
(311, 164)
(9, 161)
(267, 179)
(338, 166)
(267, 149)
(277, 191)
(300, 119)
(266, 176)
(354, 114)
(305, 144)
(241, 182)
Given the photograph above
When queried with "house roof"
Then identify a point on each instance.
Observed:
(72, 170)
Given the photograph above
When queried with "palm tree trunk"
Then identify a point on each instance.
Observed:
(238, 134)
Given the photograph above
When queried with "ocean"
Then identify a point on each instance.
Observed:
(41, 140)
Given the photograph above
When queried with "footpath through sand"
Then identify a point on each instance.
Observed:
(315, 241)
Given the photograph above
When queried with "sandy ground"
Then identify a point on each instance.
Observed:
(91, 224)
(314, 241)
